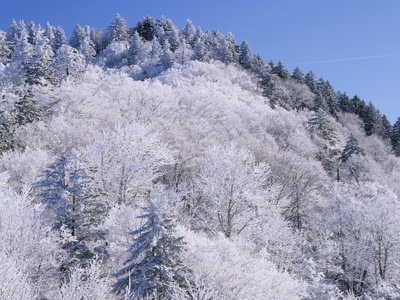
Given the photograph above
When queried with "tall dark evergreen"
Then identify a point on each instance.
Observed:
(74, 205)
(298, 75)
(281, 71)
(396, 137)
(155, 266)
(352, 147)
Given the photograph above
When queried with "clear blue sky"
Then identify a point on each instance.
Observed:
(355, 44)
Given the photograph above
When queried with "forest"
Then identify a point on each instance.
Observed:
(151, 162)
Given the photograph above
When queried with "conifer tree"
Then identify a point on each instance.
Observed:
(352, 147)
(281, 71)
(396, 137)
(74, 205)
(59, 39)
(166, 57)
(146, 28)
(188, 33)
(298, 75)
(117, 31)
(154, 267)
(245, 56)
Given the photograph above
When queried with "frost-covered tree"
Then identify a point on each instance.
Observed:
(136, 49)
(39, 68)
(188, 33)
(351, 147)
(166, 57)
(155, 268)
(281, 71)
(75, 206)
(146, 28)
(245, 56)
(117, 31)
(395, 137)
(59, 39)
(232, 187)
(362, 221)
(128, 160)
(77, 36)
(298, 75)
(68, 63)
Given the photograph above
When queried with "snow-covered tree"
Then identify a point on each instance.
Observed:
(118, 30)
(75, 206)
(155, 268)
(233, 189)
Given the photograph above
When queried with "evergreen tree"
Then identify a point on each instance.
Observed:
(320, 124)
(5, 51)
(117, 31)
(199, 46)
(396, 137)
(325, 91)
(22, 50)
(39, 68)
(298, 75)
(59, 39)
(135, 49)
(281, 71)
(146, 28)
(77, 36)
(245, 56)
(229, 50)
(26, 109)
(74, 205)
(188, 33)
(156, 50)
(49, 32)
(154, 267)
(6, 132)
(344, 103)
(32, 33)
(352, 147)
(13, 33)
(309, 80)
(166, 57)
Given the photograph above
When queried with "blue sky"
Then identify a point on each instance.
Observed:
(354, 44)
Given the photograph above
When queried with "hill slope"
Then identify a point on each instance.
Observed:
(168, 163)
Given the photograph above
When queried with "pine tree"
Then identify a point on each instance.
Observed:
(199, 46)
(117, 31)
(32, 33)
(166, 57)
(59, 39)
(352, 147)
(396, 137)
(188, 33)
(146, 28)
(26, 109)
(320, 124)
(154, 267)
(245, 56)
(229, 51)
(281, 71)
(39, 68)
(309, 80)
(74, 205)
(77, 36)
(135, 49)
(298, 75)
(6, 132)
(5, 51)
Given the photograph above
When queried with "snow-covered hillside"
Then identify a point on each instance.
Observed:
(173, 164)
